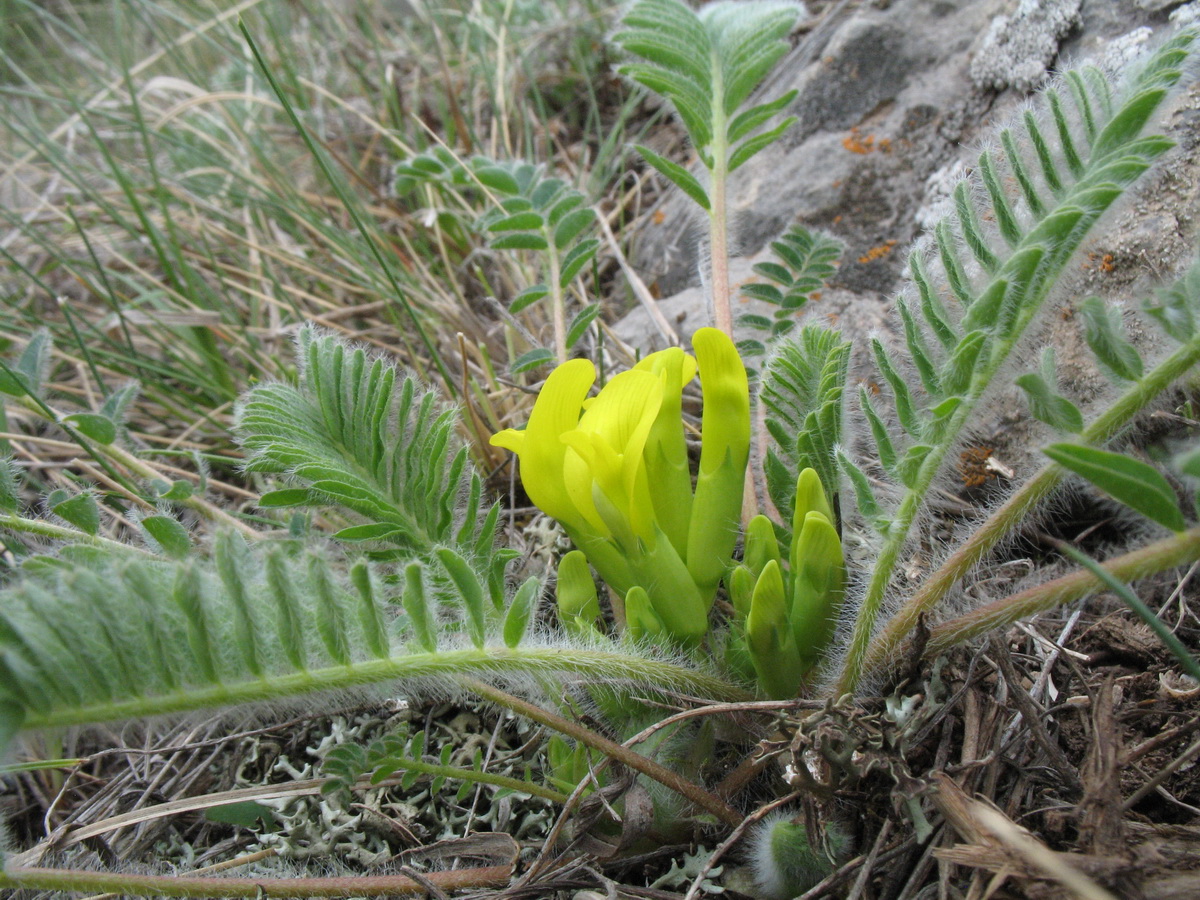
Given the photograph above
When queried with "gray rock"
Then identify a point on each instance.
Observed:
(1020, 46)
(890, 117)
(884, 102)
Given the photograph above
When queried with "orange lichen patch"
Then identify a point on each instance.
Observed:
(974, 465)
(885, 145)
(1102, 262)
(878, 252)
(814, 297)
(659, 217)
(855, 143)
(837, 218)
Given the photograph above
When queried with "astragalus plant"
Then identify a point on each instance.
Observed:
(391, 569)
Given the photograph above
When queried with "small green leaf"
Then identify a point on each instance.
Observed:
(677, 174)
(369, 616)
(416, 603)
(375, 531)
(1047, 405)
(100, 429)
(562, 207)
(525, 221)
(81, 511)
(513, 205)
(247, 814)
(117, 403)
(498, 179)
(746, 122)
(1105, 334)
(864, 494)
(528, 297)
(520, 612)
(767, 293)
(172, 490)
(171, 537)
(531, 360)
(8, 485)
(572, 226)
(520, 241)
(282, 499)
(34, 361)
(910, 466)
(752, 146)
(581, 322)
(470, 590)
(577, 257)
(1131, 481)
(547, 192)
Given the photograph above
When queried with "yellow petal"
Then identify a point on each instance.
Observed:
(609, 443)
(666, 453)
(540, 448)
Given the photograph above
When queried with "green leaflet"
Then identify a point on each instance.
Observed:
(1136, 484)
(363, 435)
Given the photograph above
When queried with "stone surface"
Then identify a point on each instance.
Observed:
(1019, 47)
(890, 117)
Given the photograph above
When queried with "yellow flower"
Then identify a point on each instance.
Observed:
(613, 470)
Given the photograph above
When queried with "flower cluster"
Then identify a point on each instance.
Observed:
(613, 470)
(785, 617)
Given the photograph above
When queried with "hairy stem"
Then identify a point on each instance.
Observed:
(60, 533)
(593, 664)
(718, 216)
(80, 881)
(1001, 522)
(459, 774)
(557, 301)
(623, 755)
(1169, 553)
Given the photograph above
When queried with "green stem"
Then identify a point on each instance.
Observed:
(557, 300)
(718, 215)
(648, 767)
(1177, 550)
(598, 665)
(77, 881)
(501, 781)
(61, 533)
(1029, 302)
(1001, 522)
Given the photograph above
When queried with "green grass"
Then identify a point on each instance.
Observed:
(165, 220)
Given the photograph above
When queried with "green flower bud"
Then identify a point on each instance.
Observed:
(818, 585)
(578, 605)
(724, 451)
(769, 637)
(761, 545)
(741, 588)
(640, 619)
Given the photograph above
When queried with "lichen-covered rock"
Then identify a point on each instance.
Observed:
(1019, 47)
(891, 115)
